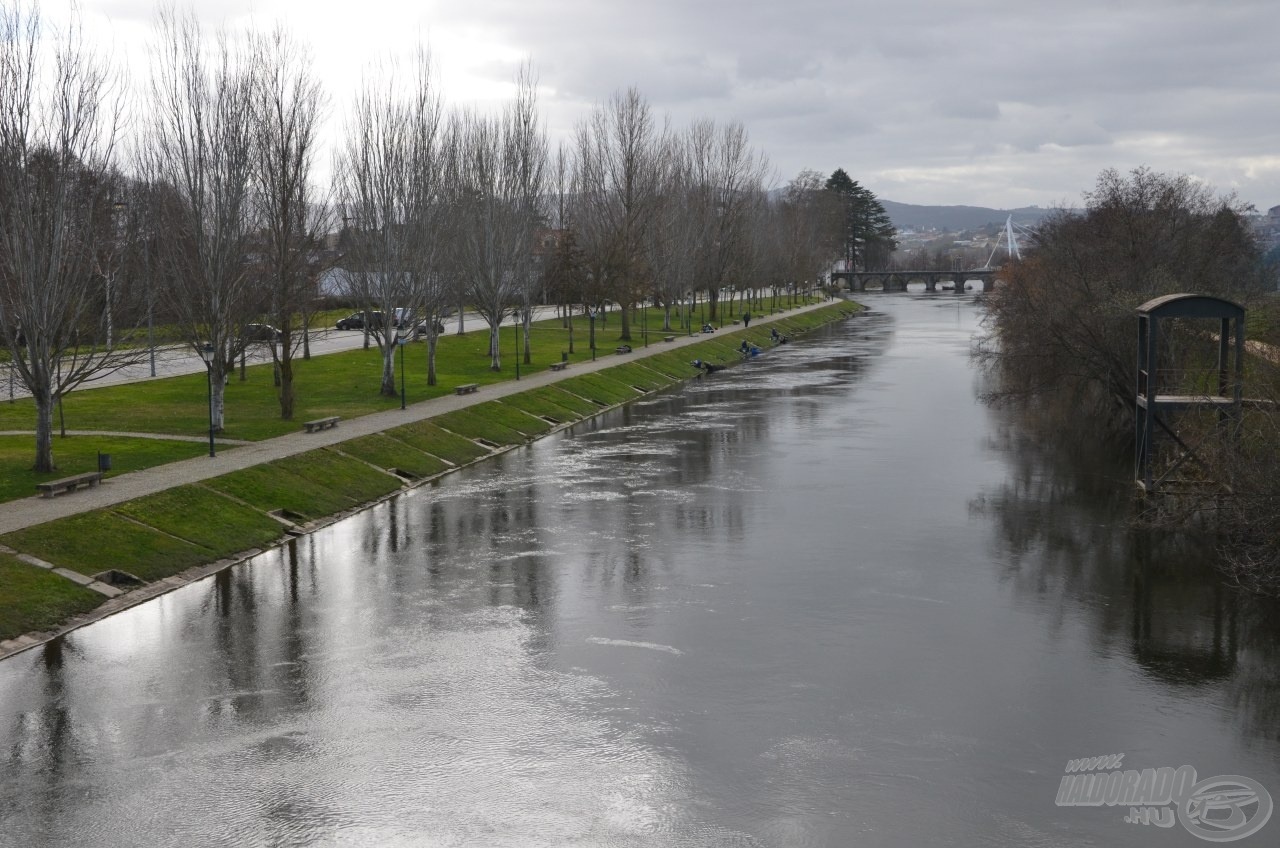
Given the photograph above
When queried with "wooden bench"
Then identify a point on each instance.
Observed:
(668, 338)
(622, 349)
(466, 388)
(69, 484)
(321, 424)
(559, 366)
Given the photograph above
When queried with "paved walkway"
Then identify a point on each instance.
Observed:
(164, 437)
(16, 515)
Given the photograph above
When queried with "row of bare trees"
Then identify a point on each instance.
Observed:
(214, 216)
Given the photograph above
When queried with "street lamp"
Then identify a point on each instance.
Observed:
(401, 339)
(151, 301)
(207, 354)
(118, 208)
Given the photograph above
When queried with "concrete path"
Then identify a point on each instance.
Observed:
(16, 515)
(165, 437)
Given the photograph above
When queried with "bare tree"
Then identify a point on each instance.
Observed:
(671, 240)
(618, 150)
(725, 186)
(811, 224)
(428, 212)
(382, 189)
(59, 196)
(292, 219)
(530, 155)
(199, 150)
(497, 179)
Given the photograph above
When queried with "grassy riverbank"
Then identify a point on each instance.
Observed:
(164, 534)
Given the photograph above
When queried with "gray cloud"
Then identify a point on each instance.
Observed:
(993, 102)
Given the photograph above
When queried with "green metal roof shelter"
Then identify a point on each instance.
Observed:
(1156, 403)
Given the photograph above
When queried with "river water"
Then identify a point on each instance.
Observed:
(826, 598)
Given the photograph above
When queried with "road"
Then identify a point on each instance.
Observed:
(175, 360)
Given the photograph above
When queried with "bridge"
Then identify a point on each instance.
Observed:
(860, 281)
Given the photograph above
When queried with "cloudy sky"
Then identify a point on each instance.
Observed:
(998, 103)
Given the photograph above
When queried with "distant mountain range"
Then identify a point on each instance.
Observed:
(909, 216)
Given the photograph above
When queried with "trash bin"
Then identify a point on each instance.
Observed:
(104, 461)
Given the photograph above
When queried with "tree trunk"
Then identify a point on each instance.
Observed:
(286, 386)
(44, 433)
(219, 392)
(431, 359)
(625, 309)
(495, 352)
(528, 347)
(389, 371)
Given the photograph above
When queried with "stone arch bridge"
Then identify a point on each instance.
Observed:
(859, 281)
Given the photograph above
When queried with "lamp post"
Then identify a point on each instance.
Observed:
(117, 209)
(206, 355)
(151, 300)
(401, 338)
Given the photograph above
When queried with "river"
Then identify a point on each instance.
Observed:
(825, 598)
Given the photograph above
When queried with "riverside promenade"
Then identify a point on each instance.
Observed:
(28, 512)
(17, 515)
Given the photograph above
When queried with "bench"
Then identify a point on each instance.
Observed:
(622, 349)
(69, 484)
(559, 366)
(466, 388)
(321, 424)
(668, 338)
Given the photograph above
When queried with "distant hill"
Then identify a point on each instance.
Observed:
(909, 216)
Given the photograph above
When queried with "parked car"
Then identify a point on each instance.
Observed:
(356, 321)
(263, 333)
(421, 330)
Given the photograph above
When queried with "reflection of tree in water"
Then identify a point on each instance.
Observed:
(43, 747)
(1065, 536)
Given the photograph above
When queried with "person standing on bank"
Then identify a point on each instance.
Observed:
(746, 319)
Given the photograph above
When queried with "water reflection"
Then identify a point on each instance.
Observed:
(822, 599)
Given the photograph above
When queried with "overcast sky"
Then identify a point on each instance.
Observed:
(998, 103)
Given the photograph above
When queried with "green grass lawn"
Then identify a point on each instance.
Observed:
(102, 540)
(77, 454)
(387, 453)
(428, 437)
(34, 599)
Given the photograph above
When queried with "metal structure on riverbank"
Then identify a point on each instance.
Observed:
(1164, 392)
